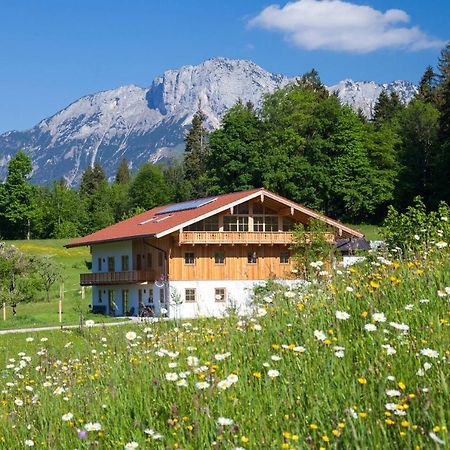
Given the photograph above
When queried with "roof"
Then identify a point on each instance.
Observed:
(158, 223)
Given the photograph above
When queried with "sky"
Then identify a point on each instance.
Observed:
(52, 52)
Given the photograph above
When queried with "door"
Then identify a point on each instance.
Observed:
(125, 303)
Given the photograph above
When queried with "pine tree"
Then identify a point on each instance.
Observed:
(91, 179)
(428, 87)
(196, 155)
(387, 106)
(123, 173)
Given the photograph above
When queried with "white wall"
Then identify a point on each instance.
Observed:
(116, 249)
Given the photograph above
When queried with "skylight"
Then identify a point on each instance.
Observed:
(192, 204)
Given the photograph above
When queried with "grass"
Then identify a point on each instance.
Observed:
(43, 313)
(299, 373)
(371, 232)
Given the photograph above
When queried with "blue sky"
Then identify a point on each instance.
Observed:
(54, 51)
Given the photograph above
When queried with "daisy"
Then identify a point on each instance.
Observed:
(399, 326)
(171, 376)
(202, 385)
(89, 323)
(393, 393)
(378, 317)
(131, 445)
(18, 402)
(131, 336)
(224, 421)
(67, 417)
(342, 315)
(181, 383)
(429, 352)
(370, 327)
(92, 426)
(272, 373)
(232, 378)
(320, 335)
(223, 384)
(29, 443)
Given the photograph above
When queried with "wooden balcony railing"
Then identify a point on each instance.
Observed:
(241, 237)
(132, 276)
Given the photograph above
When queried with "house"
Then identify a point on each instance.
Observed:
(196, 258)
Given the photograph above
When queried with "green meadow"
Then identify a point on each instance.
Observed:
(42, 313)
(358, 358)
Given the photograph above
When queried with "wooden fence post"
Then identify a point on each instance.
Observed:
(60, 311)
(4, 311)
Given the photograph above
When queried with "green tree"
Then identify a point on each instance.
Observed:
(149, 187)
(47, 273)
(419, 126)
(427, 91)
(235, 151)
(91, 179)
(196, 155)
(442, 191)
(358, 186)
(123, 173)
(387, 106)
(18, 200)
(180, 188)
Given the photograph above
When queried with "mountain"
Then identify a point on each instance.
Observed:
(148, 124)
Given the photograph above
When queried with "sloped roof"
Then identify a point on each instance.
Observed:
(158, 223)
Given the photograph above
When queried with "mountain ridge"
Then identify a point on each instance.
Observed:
(148, 124)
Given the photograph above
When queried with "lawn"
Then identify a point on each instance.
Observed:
(356, 360)
(42, 313)
(371, 232)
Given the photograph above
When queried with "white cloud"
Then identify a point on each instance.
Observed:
(343, 26)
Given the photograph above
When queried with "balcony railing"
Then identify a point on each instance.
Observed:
(242, 237)
(132, 276)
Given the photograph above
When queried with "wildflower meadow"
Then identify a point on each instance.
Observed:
(356, 358)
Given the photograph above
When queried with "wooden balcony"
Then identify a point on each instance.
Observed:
(130, 277)
(241, 237)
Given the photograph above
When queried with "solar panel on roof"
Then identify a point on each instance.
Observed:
(192, 204)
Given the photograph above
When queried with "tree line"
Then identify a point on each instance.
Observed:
(301, 142)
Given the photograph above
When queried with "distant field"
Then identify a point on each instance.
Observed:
(372, 232)
(43, 313)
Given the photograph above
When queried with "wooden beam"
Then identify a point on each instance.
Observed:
(262, 198)
(286, 211)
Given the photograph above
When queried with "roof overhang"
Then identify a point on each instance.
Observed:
(263, 193)
(107, 241)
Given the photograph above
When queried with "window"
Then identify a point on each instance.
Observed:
(288, 224)
(189, 258)
(162, 296)
(149, 260)
(189, 295)
(150, 296)
(258, 223)
(284, 258)
(125, 302)
(139, 297)
(99, 264)
(138, 262)
(219, 258)
(271, 223)
(160, 259)
(211, 224)
(100, 300)
(125, 263)
(111, 303)
(241, 209)
(235, 223)
(251, 258)
(220, 294)
(111, 264)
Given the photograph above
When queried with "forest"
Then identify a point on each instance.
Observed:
(301, 143)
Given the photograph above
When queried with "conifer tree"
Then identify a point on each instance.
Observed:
(428, 87)
(196, 155)
(123, 173)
